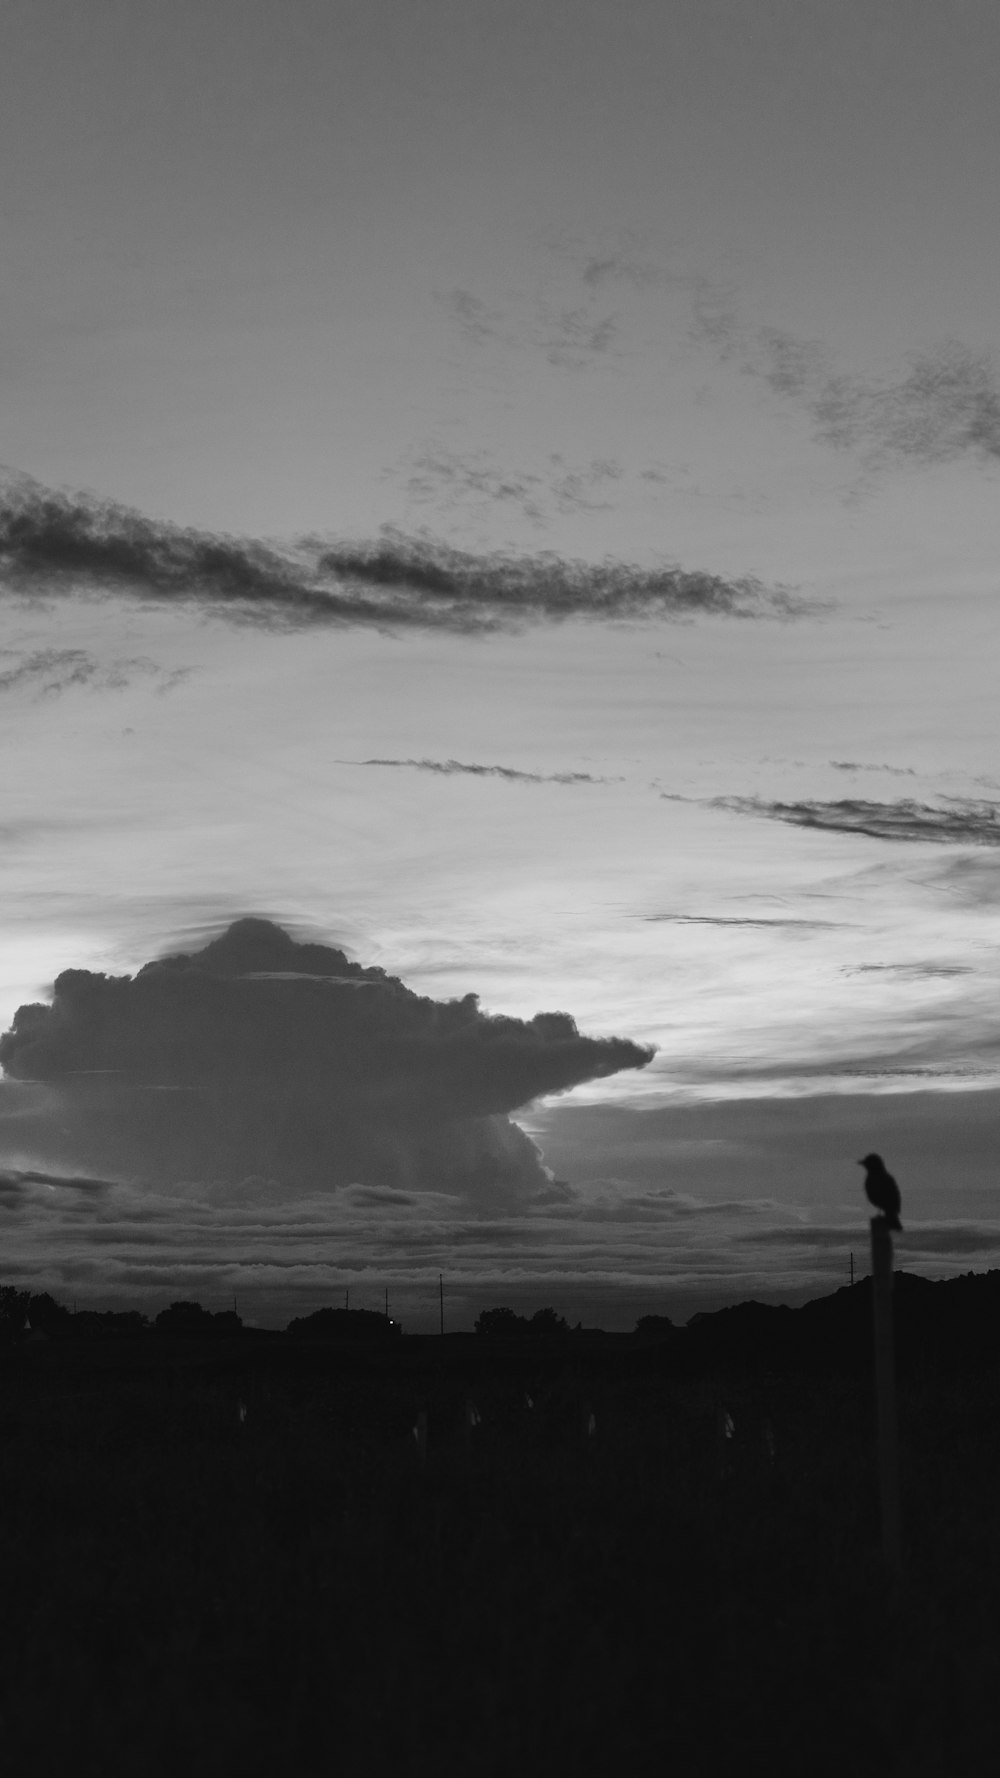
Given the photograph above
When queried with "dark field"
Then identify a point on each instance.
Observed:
(188, 1590)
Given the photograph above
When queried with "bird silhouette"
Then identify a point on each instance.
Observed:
(881, 1189)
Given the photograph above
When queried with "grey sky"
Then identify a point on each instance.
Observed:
(399, 324)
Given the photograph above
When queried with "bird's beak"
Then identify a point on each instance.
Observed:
(859, 1163)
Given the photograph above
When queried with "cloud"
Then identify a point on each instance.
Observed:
(476, 320)
(59, 544)
(452, 479)
(16, 1183)
(928, 1239)
(573, 338)
(942, 407)
(623, 268)
(945, 407)
(266, 1058)
(50, 671)
(856, 765)
(909, 971)
(569, 336)
(733, 920)
(515, 588)
(573, 489)
(966, 822)
(448, 767)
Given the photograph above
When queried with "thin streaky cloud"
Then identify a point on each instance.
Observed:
(732, 920)
(14, 1179)
(916, 971)
(857, 765)
(62, 544)
(965, 822)
(449, 767)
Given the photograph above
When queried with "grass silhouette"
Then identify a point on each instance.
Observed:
(291, 1589)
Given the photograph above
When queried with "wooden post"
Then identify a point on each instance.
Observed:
(471, 1422)
(885, 1395)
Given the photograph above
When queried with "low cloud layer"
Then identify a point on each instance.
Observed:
(963, 822)
(58, 544)
(260, 1056)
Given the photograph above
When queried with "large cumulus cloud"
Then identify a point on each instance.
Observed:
(262, 1055)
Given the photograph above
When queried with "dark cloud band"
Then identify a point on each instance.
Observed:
(54, 543)
(448, 768)
(963, 822)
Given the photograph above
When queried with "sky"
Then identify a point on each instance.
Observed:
(504, 500)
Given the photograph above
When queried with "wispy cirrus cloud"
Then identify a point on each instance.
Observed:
(454, 479)
(964, 822)
(49, 671)
(448, 768)
(476, 320)
(573, 338)
(570, 336)
(624, 267)
(56, 544)
(941, 406)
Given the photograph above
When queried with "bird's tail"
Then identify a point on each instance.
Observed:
(893, 1222)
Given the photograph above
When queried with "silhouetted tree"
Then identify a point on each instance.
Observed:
(545, 1323)
(344, 1324)
(501, 1323)
(654, 1326)
(13, 1309)
(191, 1318)
(46, 1315)
(116, 1323)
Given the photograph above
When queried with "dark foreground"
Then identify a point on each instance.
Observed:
(235, 1562)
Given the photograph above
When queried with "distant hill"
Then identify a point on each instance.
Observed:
(948, 1323)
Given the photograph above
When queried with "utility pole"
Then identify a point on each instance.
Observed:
(885, 1395)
